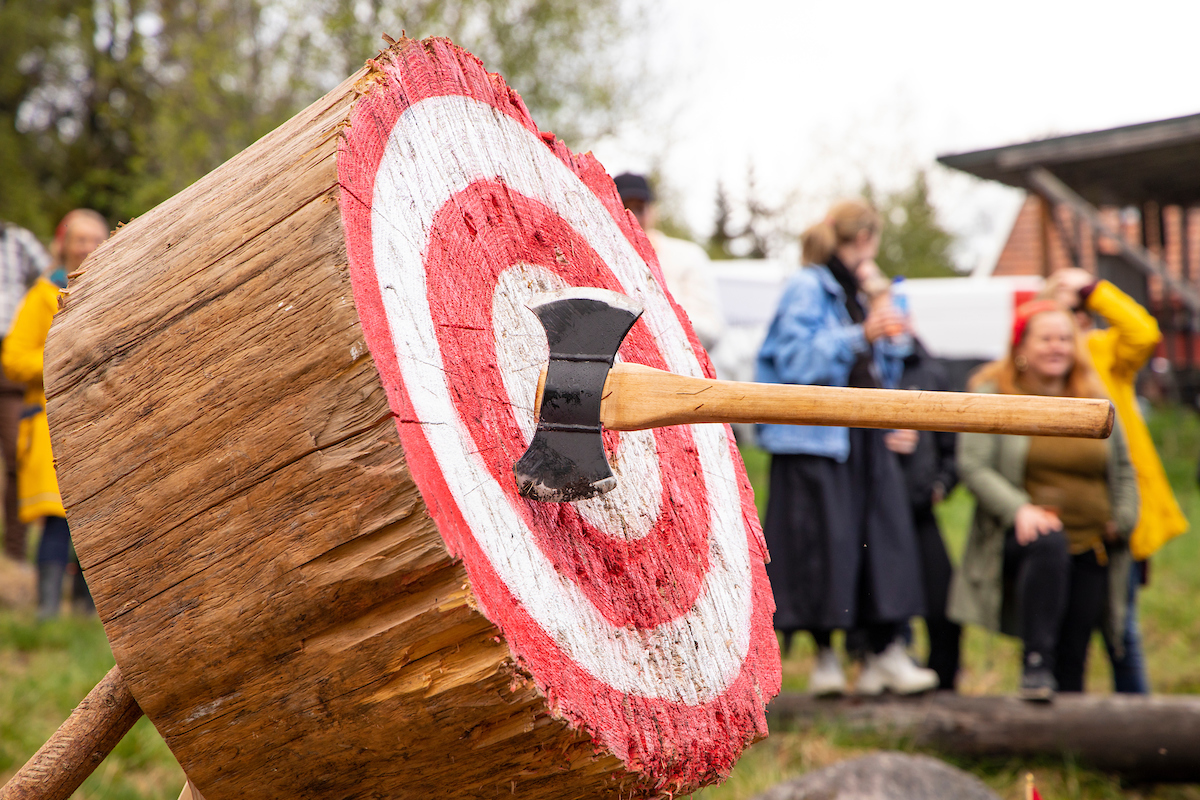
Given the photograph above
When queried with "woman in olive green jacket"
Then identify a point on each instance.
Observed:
(1047, 557)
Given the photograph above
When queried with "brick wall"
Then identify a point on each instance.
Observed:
(1035, 245)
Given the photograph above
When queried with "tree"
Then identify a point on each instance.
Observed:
(913, 242)
(721, 237)
(758, 236)
(119, 105)
(559, 56)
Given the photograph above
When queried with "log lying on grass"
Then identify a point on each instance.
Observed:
(1155, 738)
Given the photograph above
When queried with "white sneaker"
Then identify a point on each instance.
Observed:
(893, 669)
(827, 679)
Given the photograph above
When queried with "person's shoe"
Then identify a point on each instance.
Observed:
(1037, 680)
(827, 679)
(894, 670)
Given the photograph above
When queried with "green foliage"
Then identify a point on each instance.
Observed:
(558, 56)
(45, 670)
(914, 243)
(756, 237)
(118, 106)
(718, 245)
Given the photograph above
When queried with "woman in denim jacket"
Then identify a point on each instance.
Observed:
(843, 550)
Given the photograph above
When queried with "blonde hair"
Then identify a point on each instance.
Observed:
(1082, 380)
(842, 225)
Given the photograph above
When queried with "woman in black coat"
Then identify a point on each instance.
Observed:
(927, 459)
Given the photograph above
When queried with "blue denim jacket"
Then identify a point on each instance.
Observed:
(812, 340)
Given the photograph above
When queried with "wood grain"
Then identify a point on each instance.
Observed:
(277, 596)
(79, 745)
(637, 397)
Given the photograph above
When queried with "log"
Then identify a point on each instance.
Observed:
(62, 764)
(1152, 738)
(285, 406)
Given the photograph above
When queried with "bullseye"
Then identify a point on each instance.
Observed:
(643, 610)
(630, 510)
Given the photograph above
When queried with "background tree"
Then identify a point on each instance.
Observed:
(758, 235)
(914, 243)
(119, 104)
(561, 57)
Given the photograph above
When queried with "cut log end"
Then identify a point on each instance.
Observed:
(259, 483)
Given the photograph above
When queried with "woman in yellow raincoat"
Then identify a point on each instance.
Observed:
(1119, 351)
(80, 232)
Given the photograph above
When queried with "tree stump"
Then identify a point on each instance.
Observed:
(285, 406)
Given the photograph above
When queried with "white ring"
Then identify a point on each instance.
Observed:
(439, 147)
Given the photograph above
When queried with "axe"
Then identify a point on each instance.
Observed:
(581, 392)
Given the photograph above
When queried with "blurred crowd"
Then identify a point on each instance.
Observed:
(32, 284)
(1063, 528)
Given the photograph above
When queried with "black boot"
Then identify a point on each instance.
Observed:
(1037, 679)
(50, 584)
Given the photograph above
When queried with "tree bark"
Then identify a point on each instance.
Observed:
(1152, 738)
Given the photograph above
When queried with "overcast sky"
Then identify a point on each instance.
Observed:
(819, 96)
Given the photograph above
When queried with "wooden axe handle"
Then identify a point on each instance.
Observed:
(637, 397)
(79, 745)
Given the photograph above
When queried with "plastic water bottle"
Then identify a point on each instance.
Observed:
(899, 302)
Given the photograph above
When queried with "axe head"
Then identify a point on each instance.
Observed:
(566, 461)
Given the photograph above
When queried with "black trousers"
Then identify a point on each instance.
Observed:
(872, 636)
(843, 550)
(944, 634)
(1060, 601)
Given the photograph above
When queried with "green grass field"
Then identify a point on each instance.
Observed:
(46, 669)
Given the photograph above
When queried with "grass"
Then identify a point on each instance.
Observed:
(45, 670)
(1170, 633)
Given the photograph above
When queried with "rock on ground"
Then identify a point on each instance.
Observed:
(884, 776)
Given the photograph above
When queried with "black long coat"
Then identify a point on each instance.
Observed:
(843, 549)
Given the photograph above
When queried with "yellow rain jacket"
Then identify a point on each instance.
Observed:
(1118, 353)
(37, 485)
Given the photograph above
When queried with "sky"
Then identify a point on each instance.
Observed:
(820, 96)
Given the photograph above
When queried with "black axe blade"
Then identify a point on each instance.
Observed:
(566, 461)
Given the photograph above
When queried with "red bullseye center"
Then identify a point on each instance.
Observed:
(478, 234)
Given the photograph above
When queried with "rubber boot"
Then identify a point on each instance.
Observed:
(50, 585)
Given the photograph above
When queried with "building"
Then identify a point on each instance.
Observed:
(1123, 203)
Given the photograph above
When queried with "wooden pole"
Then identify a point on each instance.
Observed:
(1147, 737)
(637, 397)
(79, 745)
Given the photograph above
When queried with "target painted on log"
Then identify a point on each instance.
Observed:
(643, 615)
